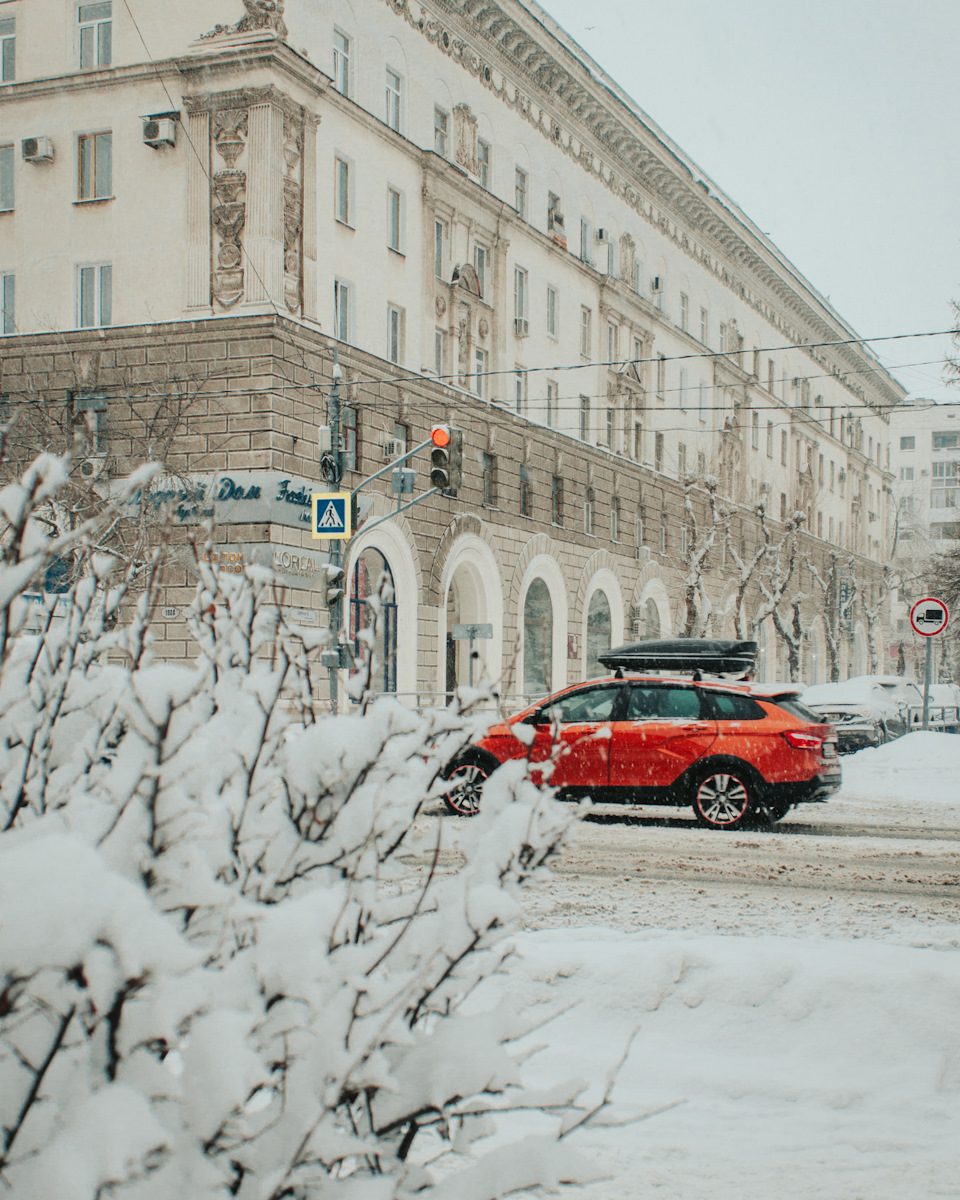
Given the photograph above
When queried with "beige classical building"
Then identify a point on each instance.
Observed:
(201, 203)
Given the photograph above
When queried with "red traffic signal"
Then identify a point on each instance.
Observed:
(440, 435)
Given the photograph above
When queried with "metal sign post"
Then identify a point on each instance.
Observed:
(928, 617)
(471, 633)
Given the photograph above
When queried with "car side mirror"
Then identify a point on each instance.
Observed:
(534, 718)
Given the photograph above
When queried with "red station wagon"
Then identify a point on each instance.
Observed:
(736, 752)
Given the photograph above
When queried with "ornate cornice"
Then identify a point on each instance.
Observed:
(633, 163)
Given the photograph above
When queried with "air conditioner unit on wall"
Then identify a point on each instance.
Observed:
(521, 326)
(37, 149)
(393, 448)
(159, 131)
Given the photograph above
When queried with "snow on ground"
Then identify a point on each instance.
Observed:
(802, 1063)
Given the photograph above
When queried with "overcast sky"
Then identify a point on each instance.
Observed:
(832, 123)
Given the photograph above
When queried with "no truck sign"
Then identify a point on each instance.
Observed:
(929, 617)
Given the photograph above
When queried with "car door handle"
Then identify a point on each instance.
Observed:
(695, 728)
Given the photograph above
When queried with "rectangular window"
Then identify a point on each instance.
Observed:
(681, 460)
(614, 518)
(95, 162)
(586, 337)
(341, 177)
(658, 451)
(350, 429)
(638, 441)
(684, 310)
(7, 186)
(704, 325)
(341, 62)
(438, 235)
(341, 310)
(661, 375)
(611, 426)
(769, 439)
(551, 312)
(520, 389)
(682, 390)
(589, 501)
(520, 193)
(94, 296)
(584, 418)
(833, 476)
(393, 99)
(520, 287)
(638, 276)
(8, 302)
(556, 499)
(395, 333)
(489, 482)
(755, 431)
(771, 377)
(613, 343)
(440, 122)
(906, 474)
(586, 234)
(723, 338)
(703, 403)
(393, 219)
(439, 357)
(480, 372)
(820, 472)
(480, 265)
(8, 50)
(555, 215)
(95, 35)
(551, 404)
(908, 443)
(946, 441)
(524, 490)
(483, 163)
(783, 447)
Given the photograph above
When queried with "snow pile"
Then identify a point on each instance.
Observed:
(217, 978)
(920, 766)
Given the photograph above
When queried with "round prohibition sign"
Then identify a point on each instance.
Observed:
(929, 617)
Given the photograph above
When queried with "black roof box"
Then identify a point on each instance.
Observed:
(714, 656)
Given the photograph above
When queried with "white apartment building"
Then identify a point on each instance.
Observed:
(925, 440)
(492, 233)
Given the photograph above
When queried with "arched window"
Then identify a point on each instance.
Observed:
(599, 633)
(537, 639)
(372, 584)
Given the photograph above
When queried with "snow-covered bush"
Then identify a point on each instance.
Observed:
(232, 962)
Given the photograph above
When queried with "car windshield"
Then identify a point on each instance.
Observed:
(592, 704)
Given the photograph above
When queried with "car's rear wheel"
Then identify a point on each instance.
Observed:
(723, 798)
(467, 777)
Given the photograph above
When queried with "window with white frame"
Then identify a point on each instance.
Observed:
(661, 375)
(341, 183)
(723, 337)
(395, 321)
(586, 331)
(944, 485)
(755, 431)
(611, 426)
(341, 62)
(95, 35)
(589, 503)
(480, 259)
(520, 389)
(8, 50)
(94, 295)
(638, 276)
(439, 235)
(770, 440)
(480, 372)
(908, 443)
(702, 402)
(684, 311)
(439, 351)
(704, 326)
(7, 179)
(614, 518)
(611, 258)
(393, 97)
(584, 418)
(95, 166)
(552, 397)
(613, 342)
(520, 193)
(394, 219)
(441, 122)
(342, 299)
(8, 303)
(681, 461)
(520, 289)
(551, 312)
(586, 237)
(682, 390)
(483, 163)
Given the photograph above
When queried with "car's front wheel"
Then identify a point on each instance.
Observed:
(467, 777)
(723, 798)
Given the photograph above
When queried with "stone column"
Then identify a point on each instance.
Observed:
(198, 212)
(310, 298)
(263, 242)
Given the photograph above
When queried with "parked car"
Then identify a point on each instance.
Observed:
(944, 711)
(736, 754)
(866, 710)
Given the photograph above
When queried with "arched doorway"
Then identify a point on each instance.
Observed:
(537, 639)
(471, 593)
(373, 605)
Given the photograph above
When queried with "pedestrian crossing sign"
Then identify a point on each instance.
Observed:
(331, 515)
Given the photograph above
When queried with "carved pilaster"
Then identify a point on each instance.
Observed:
(465, 139)
(265, 202)
(228, 211)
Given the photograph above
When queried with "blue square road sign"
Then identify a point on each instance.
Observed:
(331, 515)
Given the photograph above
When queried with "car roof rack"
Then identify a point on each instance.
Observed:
(711, 656)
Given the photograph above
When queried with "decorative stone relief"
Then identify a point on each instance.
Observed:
(483, 329)
(228, 204)
(628, 258)
(441, 306)
(261, 14)
(292, 212)
(463, 349)
(465, 139)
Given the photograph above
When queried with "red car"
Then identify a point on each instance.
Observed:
(736, 752)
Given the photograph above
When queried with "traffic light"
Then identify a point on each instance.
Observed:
(446, 458)
(334, 586)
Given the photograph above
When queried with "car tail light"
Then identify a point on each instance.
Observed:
(802, 741)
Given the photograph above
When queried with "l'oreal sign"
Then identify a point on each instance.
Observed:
(231, 498)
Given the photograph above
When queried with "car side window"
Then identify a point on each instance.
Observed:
(653, 703)
(592, 704)
(733, 706)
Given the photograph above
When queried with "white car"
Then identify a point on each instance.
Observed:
(944, 711)
(867, 710)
